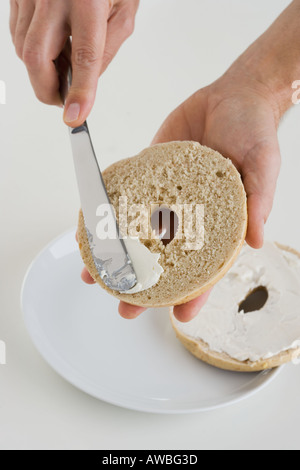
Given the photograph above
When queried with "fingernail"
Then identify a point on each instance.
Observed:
(72, 112)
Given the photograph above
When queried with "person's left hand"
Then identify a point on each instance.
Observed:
(237, 116)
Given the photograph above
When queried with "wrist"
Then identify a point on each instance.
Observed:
(274, 71)
(247, 79)
(272, 63)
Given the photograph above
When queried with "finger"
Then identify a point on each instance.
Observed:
(256, 223)
(260, 176)
(130, 312)
(186, 312)
(120, 27)
(88, 42)
(45, 40)
(86, 277)
(25, 15)
(14, 9)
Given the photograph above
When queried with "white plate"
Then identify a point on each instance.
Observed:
(136, 364)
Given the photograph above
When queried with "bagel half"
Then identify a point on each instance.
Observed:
(179, 173)
(201, 350)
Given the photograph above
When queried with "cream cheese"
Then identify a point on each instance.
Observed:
(146, 265)
(259, 334)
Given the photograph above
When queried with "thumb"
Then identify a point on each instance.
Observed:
(172, 128)
(88, 42)
(260, 175)
(186, 122)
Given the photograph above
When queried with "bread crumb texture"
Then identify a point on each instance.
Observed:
(179, 173)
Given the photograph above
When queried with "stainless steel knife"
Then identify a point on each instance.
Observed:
(109, 252)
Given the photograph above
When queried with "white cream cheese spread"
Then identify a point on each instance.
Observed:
(146, 265)
(259, 334)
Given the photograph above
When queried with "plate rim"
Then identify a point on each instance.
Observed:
(85, 388)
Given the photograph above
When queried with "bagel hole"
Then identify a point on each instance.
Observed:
(255, 300)
(165, 224)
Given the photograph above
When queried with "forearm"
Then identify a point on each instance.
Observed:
(274, 59)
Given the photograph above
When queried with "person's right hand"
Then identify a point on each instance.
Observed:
(40, 29)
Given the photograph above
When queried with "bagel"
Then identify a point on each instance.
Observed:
(258, 340)
(174, 175)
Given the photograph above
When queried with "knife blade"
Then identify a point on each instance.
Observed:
(110, 255)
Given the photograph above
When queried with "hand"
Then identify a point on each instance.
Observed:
(237, 116)
(40, 29)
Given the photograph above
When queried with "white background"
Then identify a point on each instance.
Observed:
(178, 47)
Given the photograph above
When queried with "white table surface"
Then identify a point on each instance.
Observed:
(178, 46)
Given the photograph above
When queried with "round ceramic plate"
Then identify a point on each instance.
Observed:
(136, 364)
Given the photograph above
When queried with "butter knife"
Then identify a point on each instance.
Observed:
(109, 252)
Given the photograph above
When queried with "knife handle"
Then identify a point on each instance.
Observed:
(64, 70)
(63, 66)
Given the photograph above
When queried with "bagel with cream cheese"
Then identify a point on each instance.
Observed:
(227, 335)
(178, 175)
